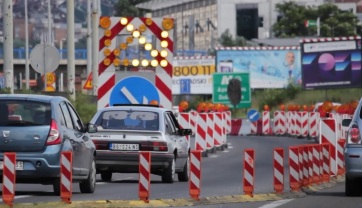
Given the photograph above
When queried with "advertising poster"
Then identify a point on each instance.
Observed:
(192, 75)
(268, 68)
(331, 63)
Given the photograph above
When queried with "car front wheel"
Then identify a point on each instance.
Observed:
(169, 174)
(89, 185)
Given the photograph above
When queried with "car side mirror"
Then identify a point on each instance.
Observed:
(185, 132)
(91, 128)
(346, 122)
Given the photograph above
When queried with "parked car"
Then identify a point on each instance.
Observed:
(353, 153)
(126, 130)
(38, 128)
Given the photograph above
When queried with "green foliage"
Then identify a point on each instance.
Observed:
(86, 106)
(333, 21)
(227, 40)
(127, 8)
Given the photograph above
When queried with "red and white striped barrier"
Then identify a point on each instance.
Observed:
(326, 162)
(144, 176)
(266, 122)
(210, 133)
(302, 123)
(201, 131)
(236, 125)
(316, 152)
(249, 171)
(218, 130)
(278, 170)
(313, 123)
(280, 123)
(66, 179)
(228, 121)
(195, 174)
(305, 166)
(9, 175)
(294, 179)
(184, 122)
(253, 127)
(193, 121)
(310, 164)
(224, 135)
(301, 165)
(340, 157)
(328, 135)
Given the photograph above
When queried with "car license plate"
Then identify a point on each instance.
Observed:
(19, 165)
(124, 147)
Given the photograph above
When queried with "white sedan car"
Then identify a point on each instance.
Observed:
(126, 130)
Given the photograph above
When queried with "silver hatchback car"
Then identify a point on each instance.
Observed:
(125, 130)
(353, 153)
(38, 128)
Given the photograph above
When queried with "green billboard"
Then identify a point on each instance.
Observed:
(220, 86)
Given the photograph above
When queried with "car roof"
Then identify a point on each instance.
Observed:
(37, 97)
(136, 107)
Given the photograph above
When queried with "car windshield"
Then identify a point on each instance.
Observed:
(20, 113)
(128, 120)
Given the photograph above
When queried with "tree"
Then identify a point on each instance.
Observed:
(226, 40)
(333, 21)
(127, 8)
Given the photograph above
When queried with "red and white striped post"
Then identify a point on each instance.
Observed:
(294, 168)
(9, 175)
(195, 174)
(201, 132)
(278, 170)
(305, 166)
(328, 134)
(310, 163)
(326, 162)
(249, 171)
(210, 133)
(144, 176)
(66, 162)
(316, 163)
(313, 122)
(218, 131)
(184, 122)
(266, 123)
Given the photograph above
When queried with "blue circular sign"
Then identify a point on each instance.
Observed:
(253, 115)
(134, 90)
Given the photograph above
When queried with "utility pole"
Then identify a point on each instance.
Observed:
(70, 47)
(95, 45)
(8, 44)
(27, 73)
(89, 40)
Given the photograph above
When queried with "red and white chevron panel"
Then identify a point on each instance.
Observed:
(289, 116)
(328, 135)
(310, 164)
(218, 129)
(305, 166)
(144, 175)
(201, 131)
(253, 127)
(9, 175)
(297, 126)
(108, 40)
(193, 120)
(249, 171)
(278, 164)
(301, 165)
(313, 123)
(210, 131)
(303, 123)
(326, 162)
(224, 134)
(279, 123)
(66, 165)
(184, 122)
(316, 151)
(294, 179)
(195, 174)
(340, 157)
(266, 122)
(228, 122)
(294, 123)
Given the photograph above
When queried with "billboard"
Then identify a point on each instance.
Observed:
(269, 67)
(331, 63)
(192, 75)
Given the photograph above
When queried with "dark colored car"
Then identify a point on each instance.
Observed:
(38, 128)
(124, 131)
(353, 153)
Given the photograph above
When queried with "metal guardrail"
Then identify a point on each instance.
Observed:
(19, 53)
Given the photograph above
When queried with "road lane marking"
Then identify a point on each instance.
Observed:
(276, 203)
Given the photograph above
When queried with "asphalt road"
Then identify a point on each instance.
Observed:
(221, 183)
